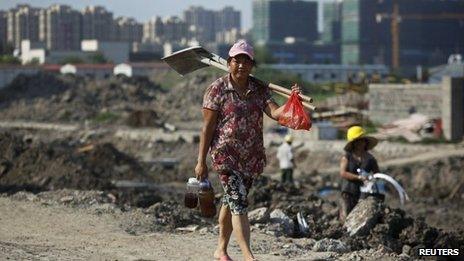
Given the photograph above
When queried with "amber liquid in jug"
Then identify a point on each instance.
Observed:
(191, 193)
(206, 199)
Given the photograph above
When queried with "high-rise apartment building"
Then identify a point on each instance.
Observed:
(174, 29)
(153, 30)
(3, 26)
(97, 23)
(204, 25)
(426, 31)
(61, 28)
(227, 19)
(200, 23)
(275, 20)
(128, 30)
(22, 24)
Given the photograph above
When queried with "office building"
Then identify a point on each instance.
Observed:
(426, 32)
(275, 20)
(331, 21)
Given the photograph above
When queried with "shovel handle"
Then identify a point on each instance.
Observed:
(276, 88)
(281, 89)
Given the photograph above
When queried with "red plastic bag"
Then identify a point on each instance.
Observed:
(293, 116)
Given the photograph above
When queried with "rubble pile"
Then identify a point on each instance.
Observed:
(54, 98)
(137, 102)
(375, 223)
(58, 165)
(440, 178)
(185, 98)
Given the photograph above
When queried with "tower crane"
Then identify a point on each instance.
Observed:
(395, 19)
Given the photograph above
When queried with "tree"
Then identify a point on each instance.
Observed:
(98, 58)
(34, 61)
(9, 59)
(262, 55)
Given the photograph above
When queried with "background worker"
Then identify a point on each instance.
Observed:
(286, 159)
(356, 157)
(232, 131)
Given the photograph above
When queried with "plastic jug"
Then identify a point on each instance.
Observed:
(206, 199)
(191, 193)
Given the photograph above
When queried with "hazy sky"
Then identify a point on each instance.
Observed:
(143, 10)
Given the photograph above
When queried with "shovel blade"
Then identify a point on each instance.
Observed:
(187, 60)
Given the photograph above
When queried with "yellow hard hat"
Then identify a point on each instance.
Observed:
(357, 132)
(288, 138)
(354, 132)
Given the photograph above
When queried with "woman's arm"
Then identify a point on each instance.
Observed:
(273, 110)
(207, 132)
(346, 174)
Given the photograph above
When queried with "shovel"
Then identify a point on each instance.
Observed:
(193, 58)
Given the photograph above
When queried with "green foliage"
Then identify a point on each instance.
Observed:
(34, 61)
(98, 58)
(9, 59)
(370, 127)
(105, 117)
(71, 60)
(262, 55)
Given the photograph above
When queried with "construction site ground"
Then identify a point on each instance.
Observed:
(97, 170)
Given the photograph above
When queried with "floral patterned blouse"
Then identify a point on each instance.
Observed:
(237, 142)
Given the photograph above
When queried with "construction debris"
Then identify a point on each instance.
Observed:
(413, 129)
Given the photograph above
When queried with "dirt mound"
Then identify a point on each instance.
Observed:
(400, 233)
(438, 178)
(185, 98)
(143, 118)
(67, 98)
(29, 87)
(56, 98)
(58, 165)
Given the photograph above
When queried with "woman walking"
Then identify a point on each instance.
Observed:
(232, 131)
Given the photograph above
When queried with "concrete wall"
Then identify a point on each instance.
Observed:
(116, 52)
(389, 102)
(453, 108)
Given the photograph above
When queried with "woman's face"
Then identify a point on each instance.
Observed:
(240, 66)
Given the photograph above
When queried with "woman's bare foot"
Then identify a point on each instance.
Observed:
(221, 255)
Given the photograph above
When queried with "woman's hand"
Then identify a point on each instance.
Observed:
(296, 88)
(201, 171)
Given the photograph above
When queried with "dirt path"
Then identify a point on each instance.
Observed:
(30, 230)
